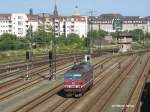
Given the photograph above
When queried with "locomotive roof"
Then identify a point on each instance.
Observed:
(81, 68)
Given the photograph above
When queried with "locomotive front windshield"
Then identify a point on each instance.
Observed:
(72, 76)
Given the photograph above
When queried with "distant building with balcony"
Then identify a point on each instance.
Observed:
(113, 22)
(5, 23)
(17, 23)
(124, 42)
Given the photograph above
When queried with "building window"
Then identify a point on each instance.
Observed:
(20, 23)
(20, 17)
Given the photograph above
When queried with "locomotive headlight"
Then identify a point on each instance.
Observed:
(77, 86)
(66, 86)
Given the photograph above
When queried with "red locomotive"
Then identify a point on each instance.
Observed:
(78, 79)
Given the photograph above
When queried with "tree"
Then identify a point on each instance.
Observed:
(101, 33)
(7, 36)
(73, 39)
(137, 34)
(96, 35)
(147, 35)
(41, 37)
(12, 42)
(62, 40)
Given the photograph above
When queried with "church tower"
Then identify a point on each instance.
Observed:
(55, 12)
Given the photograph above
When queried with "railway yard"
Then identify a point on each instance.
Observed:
(121, 84)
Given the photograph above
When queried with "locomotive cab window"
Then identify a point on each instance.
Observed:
(72, 76)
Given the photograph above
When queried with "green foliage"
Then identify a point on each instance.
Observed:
(102, 33)
(114, 34)
(74, 39)
(11, 42)
(62, 40)
(86, 42)
(70, 40)
(147, 35)
(96, 34)
(42, 37)
(137, 34)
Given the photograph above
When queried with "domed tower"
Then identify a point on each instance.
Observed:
(76, 11)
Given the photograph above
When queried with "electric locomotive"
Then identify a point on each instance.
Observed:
(78, 79)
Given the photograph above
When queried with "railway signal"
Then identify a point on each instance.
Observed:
(29, 55)
(50, 55)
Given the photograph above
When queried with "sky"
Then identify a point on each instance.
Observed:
(66, 7)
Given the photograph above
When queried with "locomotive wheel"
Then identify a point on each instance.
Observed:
(68, 95)
(79, 95)
(90, 86)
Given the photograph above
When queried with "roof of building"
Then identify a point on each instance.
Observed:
(5, 16)
(124, 34)
(110, 16)
(32, 17)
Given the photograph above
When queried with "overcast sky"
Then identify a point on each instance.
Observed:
(66, 7)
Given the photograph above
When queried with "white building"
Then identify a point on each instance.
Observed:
(5, 23)
(124, 42)
(110, 22)
(17, 23)
(66, 25)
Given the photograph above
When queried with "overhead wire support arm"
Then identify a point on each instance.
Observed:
(90, 51)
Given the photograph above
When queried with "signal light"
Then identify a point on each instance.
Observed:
(34, 45)
(50, 55)
(28, 55)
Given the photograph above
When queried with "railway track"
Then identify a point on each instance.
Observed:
(31, 72)
(62, 104)
(86, 103)
(20, 85)
(55, 91)
(38, 101)
(5, 68)
(22, 67)
(17, 85)
(103, 99)
(112, 98)
(136, 93)
(59, 62)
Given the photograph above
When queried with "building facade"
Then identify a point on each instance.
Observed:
(125, 42)
(19, 23)
(115, 22)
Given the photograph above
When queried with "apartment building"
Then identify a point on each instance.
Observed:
(5, 23)
(17, 23)
(65, 24)
(114, 22)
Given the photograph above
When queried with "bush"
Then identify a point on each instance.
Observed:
(11, 42)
